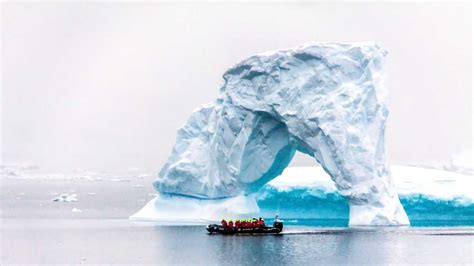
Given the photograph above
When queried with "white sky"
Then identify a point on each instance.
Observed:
(105, 86)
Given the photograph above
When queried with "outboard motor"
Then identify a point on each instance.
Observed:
(278, 224)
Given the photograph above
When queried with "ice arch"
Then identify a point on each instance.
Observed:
(325, 100)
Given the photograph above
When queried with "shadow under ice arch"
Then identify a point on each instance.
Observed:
(325, 100)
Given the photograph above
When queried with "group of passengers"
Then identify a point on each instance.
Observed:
(243, 223)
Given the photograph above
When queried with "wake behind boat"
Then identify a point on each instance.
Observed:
(251, 226)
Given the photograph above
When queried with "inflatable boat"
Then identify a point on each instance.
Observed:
(219, 229)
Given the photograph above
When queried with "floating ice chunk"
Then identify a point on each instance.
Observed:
(65, 198)
(76, 210)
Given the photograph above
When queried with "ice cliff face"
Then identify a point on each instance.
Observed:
(325, 100)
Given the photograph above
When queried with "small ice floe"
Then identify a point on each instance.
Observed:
(91, 193)
(76, 210)
(137, 185)
(152, 194)
(66, 198)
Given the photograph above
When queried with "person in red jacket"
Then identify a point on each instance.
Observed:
(231, 224)
(254, 223)
(237, 224)
(224, 223)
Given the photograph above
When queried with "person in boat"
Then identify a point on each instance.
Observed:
(224, 223)
(230, 224)
(249, 223)
(237, 224)
(277, 218)
(261, 222)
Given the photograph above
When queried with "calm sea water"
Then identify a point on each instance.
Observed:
(34, 229)
(108, 241)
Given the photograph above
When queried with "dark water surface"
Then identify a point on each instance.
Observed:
(69, 241)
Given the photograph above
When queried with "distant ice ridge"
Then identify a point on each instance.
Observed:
(326, 100)
(462, 162)
(309, 193)
(25, 171)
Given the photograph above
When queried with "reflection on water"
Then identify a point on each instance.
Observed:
(312, 245)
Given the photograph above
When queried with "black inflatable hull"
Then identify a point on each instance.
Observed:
(214, 228)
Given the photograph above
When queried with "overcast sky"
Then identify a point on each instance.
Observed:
(105, 86)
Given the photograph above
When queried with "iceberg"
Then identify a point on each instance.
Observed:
(326, 100)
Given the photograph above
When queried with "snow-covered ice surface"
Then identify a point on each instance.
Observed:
(434, 183)
(326, 100)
